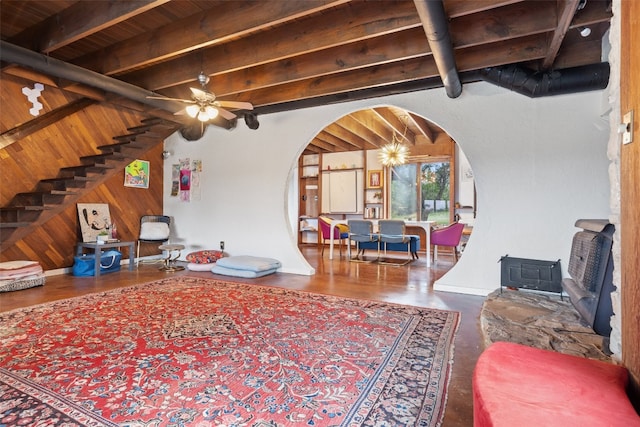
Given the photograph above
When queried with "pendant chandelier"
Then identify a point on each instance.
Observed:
(395, 153)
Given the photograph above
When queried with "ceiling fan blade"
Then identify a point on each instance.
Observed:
(164, 98)
(235, 105)
(226, 113)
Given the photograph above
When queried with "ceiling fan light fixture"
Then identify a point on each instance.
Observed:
(212, 112)
(192, 110)
(202, 115)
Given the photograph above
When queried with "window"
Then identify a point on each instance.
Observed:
(421, 191)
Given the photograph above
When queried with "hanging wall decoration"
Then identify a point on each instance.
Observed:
(32, 95)
(196, 169)
(136, 174)
(175, 180)
(185, 180)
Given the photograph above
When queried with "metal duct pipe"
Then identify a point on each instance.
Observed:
(535, 84)
(54, 67)
(436, 27)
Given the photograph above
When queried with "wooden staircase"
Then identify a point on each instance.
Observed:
(52, 195)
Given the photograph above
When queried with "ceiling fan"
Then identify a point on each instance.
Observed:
(203, 103)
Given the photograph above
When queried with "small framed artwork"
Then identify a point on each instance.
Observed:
(94, 219)
(136, 174)
(375, 179)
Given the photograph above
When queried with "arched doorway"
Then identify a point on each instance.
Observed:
(436, 182)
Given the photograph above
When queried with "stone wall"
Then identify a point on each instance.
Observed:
(613, 152)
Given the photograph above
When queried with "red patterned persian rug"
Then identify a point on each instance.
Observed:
(196, 352)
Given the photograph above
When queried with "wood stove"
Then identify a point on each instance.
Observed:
(591, 270)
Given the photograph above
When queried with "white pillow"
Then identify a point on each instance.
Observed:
(199, 267)
(154, 231)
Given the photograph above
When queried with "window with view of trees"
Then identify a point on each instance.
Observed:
(421, 192)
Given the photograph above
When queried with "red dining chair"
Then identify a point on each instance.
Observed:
(449, 235)
(339, 235)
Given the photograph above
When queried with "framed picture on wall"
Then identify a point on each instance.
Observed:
(374, 179)
(94, 219)
(136, 174)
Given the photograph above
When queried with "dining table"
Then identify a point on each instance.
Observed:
(426, 225)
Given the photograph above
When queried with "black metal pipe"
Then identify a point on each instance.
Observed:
(54, 67)
(535, 84)
(436, 27)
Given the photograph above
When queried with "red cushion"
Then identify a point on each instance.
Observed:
(516, 385)
(204, 257)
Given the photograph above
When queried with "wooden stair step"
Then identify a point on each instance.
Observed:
(41, 198)
(14, 225)
(63, 183)
(120, 146)
(97, 159)
(141, 128)
(159, 123)
(82, 172)
(128, 136)
(12, 214)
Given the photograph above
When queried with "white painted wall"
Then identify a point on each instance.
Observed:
(539, 165)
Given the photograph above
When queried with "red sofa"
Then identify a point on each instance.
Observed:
(518, 386)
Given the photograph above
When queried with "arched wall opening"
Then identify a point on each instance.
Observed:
(352, 144)
(539, 165)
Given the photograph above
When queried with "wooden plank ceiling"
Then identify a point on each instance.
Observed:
(284, 55)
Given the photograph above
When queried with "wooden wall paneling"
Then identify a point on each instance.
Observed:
(41, 154)
(630, 195)
(11, 95)
(53, 243)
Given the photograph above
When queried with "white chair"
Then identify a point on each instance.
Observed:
(153, 229)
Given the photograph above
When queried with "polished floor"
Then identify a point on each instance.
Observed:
(410, 284)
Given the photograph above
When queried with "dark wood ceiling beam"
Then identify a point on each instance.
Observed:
(584, 53)
(455, 8)
(498, 25)
(79, 21)
(299, 37)
(594, 12)
(406, 44)
(507, 52)
(379, 76)
(566, 11)
(222, 23)
(518, 50)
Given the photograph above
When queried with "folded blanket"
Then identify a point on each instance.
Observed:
(18, 269)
